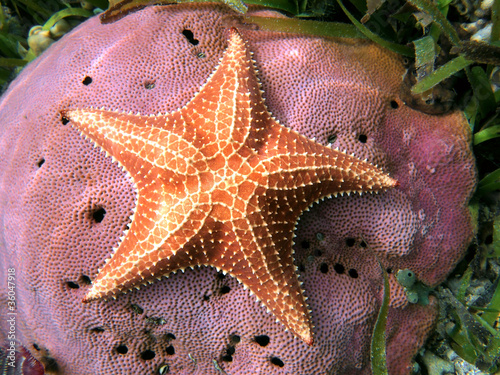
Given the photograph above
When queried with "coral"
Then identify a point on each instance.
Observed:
(64, 204)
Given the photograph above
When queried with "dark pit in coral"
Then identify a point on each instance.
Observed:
(190, 37)
(72, 285)
(87, 80)
(323, 267)
(170, 350)
(350, 242)
(148, 355)
(225, 289)
(122, 349)
(262, 340)
(98, 214)
(339, 268)
(277, 362)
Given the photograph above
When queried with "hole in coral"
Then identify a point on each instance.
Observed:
(72, 285)
(389, 270)
(228, 357)
(148, 85)
(163, 369)
(64, 120)
(36, 347)
(301, 267)
(170, 336)
(84, 279)
(362, 138)
(147, 355)
(98, 214)
(97, 330)
(318, 253)
(353, 273)
(362, 244)
(350, 242)
(262, 340)
(235, 339)
(225, 289)
(40, 162)
(190, 37)
(206, 297)
(170, 350)
(323, 267)
(122, 349)
(339, 268)
(332, 138)
(221, 275)
(394, 104)
(488, 239)
(305, 244)
(87, 80)
(277, 362)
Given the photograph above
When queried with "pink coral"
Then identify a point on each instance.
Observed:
(64, 204)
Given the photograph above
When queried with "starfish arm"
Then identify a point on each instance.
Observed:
(303, 162)
(251, 256)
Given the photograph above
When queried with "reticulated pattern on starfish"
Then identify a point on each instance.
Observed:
(221, 183)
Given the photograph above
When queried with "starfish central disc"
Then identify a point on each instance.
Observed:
(220, 183)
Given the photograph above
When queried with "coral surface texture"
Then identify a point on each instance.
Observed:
(65, 204)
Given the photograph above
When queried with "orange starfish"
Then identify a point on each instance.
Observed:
(221, 183)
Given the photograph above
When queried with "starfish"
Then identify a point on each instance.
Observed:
(220, 183)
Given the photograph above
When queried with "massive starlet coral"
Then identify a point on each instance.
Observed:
(64, 204)
(221, 183)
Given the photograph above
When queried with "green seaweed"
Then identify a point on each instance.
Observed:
(378, 343)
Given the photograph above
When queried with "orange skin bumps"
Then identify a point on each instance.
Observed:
(221, 183)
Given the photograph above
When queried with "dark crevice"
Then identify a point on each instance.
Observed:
(235, 339)
(87, 80)
(84, 279)
(122, 349)
(225, 289)
(362, 138)
(97, 330)
(170, 336)
(72, 285)
(170, 350)
(332, 138)
(350, 242)
(394, 104)
(262, 340)
(190, 37)
(353, 273)
(36, 347)
(228, 357)
(40, 162)
(98, 214)
(277, 362)
(323, 267)
(64, 120)
(339, 268)
(146, 355)
(305, 244)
